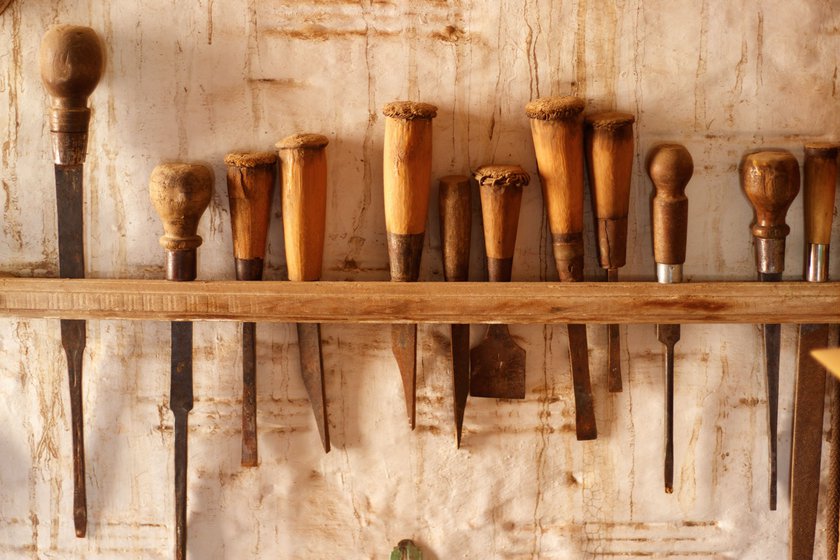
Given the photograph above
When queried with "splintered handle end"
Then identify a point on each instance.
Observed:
(455, 226)
(670, 168)
(819, 190)
(250, 185)
(500, 187)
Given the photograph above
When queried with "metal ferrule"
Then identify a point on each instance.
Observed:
(181, 265)
(770, 255)
(816, 264)
(669, 273)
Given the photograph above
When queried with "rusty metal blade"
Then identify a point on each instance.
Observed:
(460, 375)
(772, 345)
(832, 532)
(669, 335)
(73, 338)
(809, 404)
(250, 457)
(498, 366)
(404, 346)
(585, 427)
(613, 348)
(312, 371)
(180, 403)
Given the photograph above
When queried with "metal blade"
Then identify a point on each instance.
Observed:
(809, 404)
(312, 371)
(250, 457)
(498, 366)
(832, 522)
(68, 194)
(404, 346)
(669, 335)
(772, 344)
(180, 403)
(613, 348)
(460, 375)
(579, 361)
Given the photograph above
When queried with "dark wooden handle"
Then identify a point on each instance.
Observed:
(820, 180)
(250, 182)
(455, 226)
(771, 181)
(670, 168)
(180, 193)
(303, 162)
(71, 62)
(500, 187)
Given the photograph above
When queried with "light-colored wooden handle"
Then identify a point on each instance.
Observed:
(455, 226)
(180, 193)
(820, 180)
(609, 154)
(71, 62)
(250, 183)
(303, 162)
(771, 181)
(500, 187)
(670, 168)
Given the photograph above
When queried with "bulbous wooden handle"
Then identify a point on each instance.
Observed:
(303, 194)
(771, 181)
(609, 154)
(670, 168)
(819, 189)
(180, 193)
(500, 187)
(455, 226)
(71, 61)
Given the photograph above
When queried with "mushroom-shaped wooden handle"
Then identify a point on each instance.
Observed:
(670, 168)
(407, 169)
(609, 154)
(819, 187)
(557, 132)
(250, 183)
(303, 194)
(500, 187)
(180, 193)
(455, 226)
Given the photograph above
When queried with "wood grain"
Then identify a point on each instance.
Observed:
(819, 186)
(455, 226)
(500, 187)
(771, 181)
(670, 168)
(250, 183)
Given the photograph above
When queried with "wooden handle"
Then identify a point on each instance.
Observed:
(609, 154)
(771, 181)
(557, 132)
(250, 183)
(670, 168)
(407, 169)
(455, 226)
(303, 161)
(500, 187)
(71, 62)
(820, 180)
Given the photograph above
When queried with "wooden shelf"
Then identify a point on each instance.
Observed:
(425, 302)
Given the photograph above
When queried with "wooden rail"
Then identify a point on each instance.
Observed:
(424, 302)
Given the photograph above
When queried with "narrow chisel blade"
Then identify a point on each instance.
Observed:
(669, 335)
(249, 395)
(613, 348)
(460, 375)
(180, 403)
(585, 427)
(772, 344)
(404, 346)
(312, 371)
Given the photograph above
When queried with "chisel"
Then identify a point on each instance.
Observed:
(455, 228)
(771, 182)
(557, 132)
(180, 193)
(406, 170)
(670, 168)
(303, 196)
(71, 61)
(609, 155)
(250, 183)
(820, 178)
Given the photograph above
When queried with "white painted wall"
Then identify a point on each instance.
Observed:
(194, 80)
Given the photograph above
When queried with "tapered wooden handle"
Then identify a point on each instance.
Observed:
(455, 226)
(71, 62)
(771, 181)
(303, 161)
(500, 187)
(407, 169)
(557, 132)
(250, 183)
(609, 154)
(820, 180)
(670, 168)
(180, 193)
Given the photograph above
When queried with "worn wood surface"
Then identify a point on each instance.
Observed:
(819, 185)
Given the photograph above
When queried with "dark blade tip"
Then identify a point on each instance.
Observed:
(587, 435)
(248, 462)
(80, 520)
(669, 489)
(326, 446)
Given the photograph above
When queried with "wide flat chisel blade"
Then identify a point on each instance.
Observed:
(404, 346)
(669, 335)
(809, 405)
(460, 375)
(312, 372)
(585, 427)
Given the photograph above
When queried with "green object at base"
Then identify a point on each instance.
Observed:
(406, 550)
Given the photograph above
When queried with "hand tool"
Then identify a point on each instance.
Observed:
(832, 516)
(180, 193)
(406, 550)
(557, 132)
(609, 155)
(304, 198)
(670, 168)
(820, 178)
(407, 170)
(498, 363)
(771, 182)
(71, 61)
(250, 183)
(455, 228)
